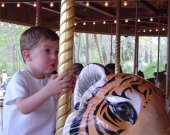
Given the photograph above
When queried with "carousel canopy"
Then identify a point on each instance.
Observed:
(92, 16)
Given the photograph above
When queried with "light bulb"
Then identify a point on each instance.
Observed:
(106, 3)
(125, 3)
(87, 4)
(126, 20)
(138, 19)
(34, 4)
(3, 5)
(51, 4)
(151, 19)
(18, 4)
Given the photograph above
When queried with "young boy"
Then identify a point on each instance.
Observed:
(29, 106)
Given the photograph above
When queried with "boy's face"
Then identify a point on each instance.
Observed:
(44, 57)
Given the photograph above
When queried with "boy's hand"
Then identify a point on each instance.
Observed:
(59, 83)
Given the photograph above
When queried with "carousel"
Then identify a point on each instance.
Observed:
(103, 103)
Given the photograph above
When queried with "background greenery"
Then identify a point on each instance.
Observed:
(88, 48)
(86, 45)
(10, 58)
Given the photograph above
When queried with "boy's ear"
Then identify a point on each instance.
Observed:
(26, 55)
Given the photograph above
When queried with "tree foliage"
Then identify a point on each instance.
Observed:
(10, 57)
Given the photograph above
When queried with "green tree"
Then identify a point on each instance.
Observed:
(10, 57)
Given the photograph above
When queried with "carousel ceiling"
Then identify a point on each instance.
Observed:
(92, 16)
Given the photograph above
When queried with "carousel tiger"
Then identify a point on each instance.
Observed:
(121, 104)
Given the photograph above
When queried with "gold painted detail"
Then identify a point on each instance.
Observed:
(65, 59)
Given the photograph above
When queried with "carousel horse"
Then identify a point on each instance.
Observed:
(116, 104)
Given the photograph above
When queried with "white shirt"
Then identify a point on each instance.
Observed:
(39, 122)
(4, 77)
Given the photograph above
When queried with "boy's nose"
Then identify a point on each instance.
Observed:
(53, 56)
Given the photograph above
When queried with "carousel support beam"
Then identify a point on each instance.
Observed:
(51, 10)
(38, 12)
(159, 29)
(44, 8)
(98, 9)
(67, 19)
(168, 56)
(15, 1)
(136, 42)
(118, 26)
(111, 44)
(149, 6)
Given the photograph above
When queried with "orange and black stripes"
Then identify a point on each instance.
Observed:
(111, 106)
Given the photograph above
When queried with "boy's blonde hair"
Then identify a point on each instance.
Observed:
(30, 38)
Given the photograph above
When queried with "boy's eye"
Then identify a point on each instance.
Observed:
(56, 52)
(47, 50)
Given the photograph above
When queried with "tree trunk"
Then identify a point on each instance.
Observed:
(14, 58)
(146, 55)
(151, 55)
(75, 48)
(87, 49)
(78, 49)
(106, 46)
(98, 49)
(103, 49)
(161, 55)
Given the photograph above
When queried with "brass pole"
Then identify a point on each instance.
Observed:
(65, 59)
(38, 12)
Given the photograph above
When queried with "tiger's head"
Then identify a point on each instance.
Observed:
(121, 104)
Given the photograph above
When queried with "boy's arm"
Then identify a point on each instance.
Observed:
(29, 104)
(54, 86)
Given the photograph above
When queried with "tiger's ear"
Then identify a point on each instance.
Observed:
(26, 55)
(88, 77)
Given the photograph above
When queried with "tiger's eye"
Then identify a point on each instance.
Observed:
(126, 112)
(123, 109)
